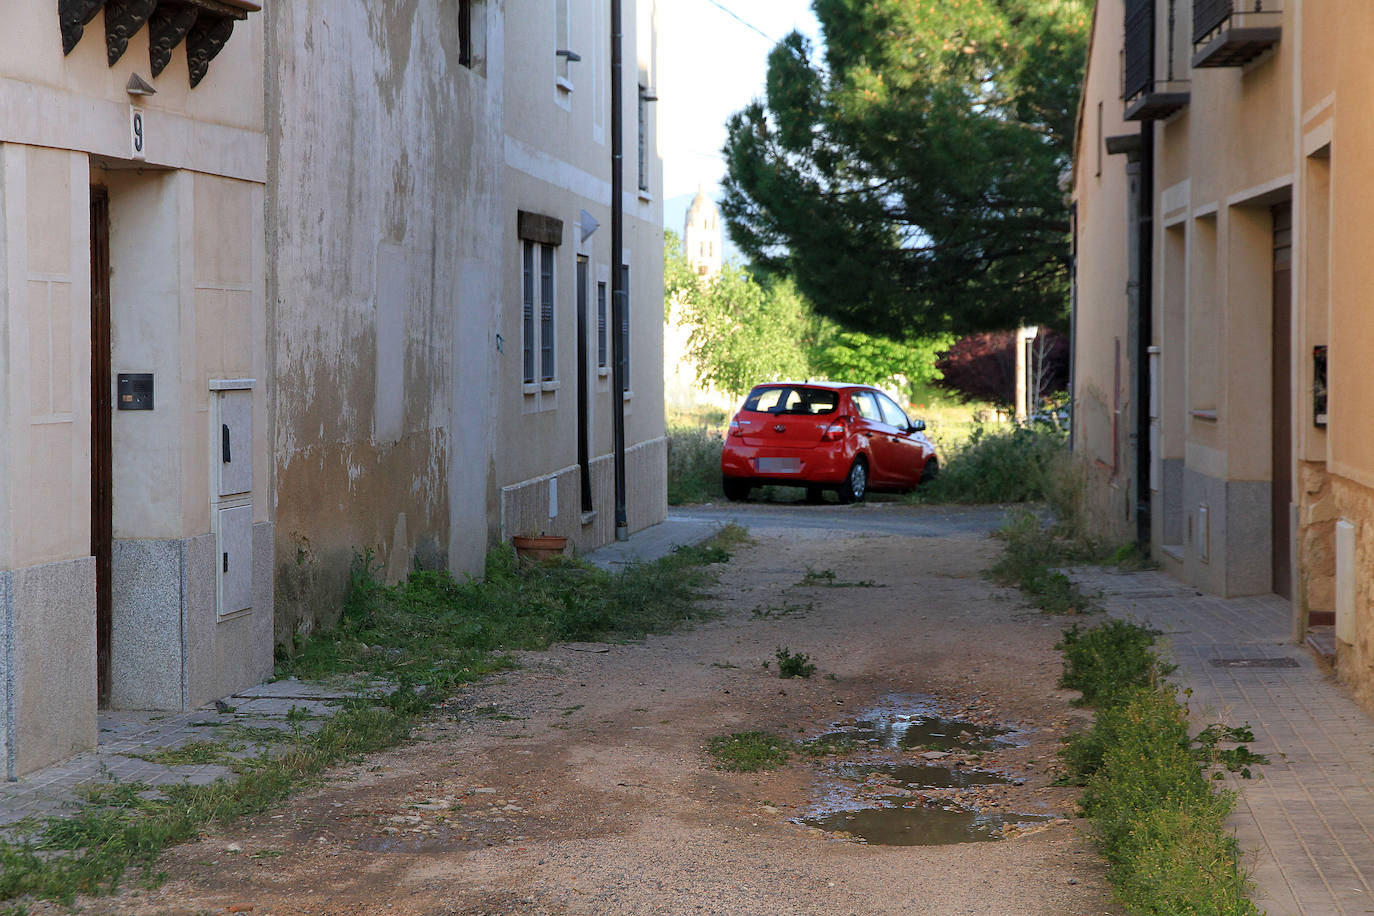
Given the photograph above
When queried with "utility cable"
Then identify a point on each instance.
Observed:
(741, 20)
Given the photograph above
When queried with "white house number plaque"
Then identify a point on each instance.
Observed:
(137, 134)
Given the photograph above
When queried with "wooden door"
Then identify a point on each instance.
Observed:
(102, 405)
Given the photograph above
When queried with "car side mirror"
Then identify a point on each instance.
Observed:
(916, 426)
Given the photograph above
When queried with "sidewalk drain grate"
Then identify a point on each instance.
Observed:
(1254, 663)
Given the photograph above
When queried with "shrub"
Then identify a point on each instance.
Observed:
(1010, 464)
(693, 465)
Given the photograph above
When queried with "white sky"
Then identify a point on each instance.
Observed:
(710, 65)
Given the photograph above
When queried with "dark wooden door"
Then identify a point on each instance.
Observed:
(102, 474)
(1282, 443)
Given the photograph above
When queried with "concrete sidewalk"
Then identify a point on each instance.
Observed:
(651, 543)
(1306, 825)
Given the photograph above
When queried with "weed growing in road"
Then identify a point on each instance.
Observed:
(1160, 822)
(1030, 552)
(780, 611)
(826, 578)
(431, 630)
(748, 752)
(790, 665)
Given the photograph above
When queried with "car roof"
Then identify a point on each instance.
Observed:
(835, 386)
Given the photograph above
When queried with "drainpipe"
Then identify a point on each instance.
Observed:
(1145, 331)
(618, 291)
(1073, 321)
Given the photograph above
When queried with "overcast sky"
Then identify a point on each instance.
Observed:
(710, 65)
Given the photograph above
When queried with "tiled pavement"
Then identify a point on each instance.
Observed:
(1307, 825)
(127, 739)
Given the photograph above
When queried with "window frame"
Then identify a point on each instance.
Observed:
(603, 324)
(548, 312)
(528, 329)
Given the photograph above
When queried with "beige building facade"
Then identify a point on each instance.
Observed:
(1222, 349)
(135, 475)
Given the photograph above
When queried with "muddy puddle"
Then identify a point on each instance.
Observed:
(921, 825)
(908, 776)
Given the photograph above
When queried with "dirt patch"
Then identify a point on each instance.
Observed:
(580, 784)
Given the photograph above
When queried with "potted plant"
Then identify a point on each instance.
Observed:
(539, 546)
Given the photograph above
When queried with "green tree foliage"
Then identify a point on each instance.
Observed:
(746, 329)
(909, 179)
(855, 357)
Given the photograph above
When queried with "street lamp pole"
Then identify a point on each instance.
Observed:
(618, 292)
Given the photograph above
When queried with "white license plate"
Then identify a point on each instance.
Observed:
(779, 465)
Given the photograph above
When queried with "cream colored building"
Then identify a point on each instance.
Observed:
(1223, 401)
(135, 472)
(263, 290)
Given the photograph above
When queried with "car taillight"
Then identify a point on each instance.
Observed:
(833, 433)
(735, 429)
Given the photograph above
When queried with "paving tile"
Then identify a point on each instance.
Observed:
(1307, 825)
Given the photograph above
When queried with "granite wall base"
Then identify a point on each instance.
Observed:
(47, 664)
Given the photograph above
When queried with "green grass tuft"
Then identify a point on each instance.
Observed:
(748, 752)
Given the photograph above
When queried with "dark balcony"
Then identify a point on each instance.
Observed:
(1146, 98)
(1158, 101)
(1231, 33)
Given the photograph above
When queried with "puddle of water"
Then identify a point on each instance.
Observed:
(919, 826)
(925, 777)
(895, 821)
(908, 732)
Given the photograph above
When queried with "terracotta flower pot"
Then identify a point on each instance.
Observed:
(540, 547)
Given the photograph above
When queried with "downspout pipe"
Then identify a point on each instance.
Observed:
(618, 291)
(1145, 331)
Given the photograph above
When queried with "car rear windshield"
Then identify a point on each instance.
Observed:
(789, 399)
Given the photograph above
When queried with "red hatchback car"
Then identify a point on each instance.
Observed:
(824, 436)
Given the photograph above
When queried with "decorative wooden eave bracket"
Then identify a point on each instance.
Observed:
(204, 25)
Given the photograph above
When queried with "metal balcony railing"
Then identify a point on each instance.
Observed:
(1231, 33)
(1208, 15)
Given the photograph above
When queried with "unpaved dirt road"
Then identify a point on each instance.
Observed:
(580, 784)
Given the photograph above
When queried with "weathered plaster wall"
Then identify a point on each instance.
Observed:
(385, 176)
(1102, 187)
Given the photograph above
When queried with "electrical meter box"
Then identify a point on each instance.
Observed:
(231, 491)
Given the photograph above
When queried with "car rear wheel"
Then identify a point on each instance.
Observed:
(856, 484)
(737, 491)
(930, 471)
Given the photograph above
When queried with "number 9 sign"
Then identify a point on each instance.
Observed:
(137, 137)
